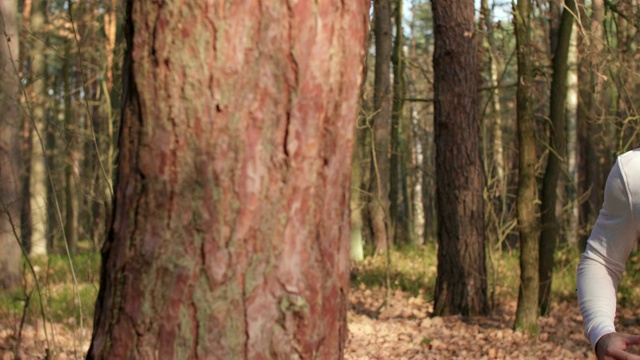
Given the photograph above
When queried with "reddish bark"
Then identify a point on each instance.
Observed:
(231, 226)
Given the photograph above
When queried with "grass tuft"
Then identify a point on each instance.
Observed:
(57, 293)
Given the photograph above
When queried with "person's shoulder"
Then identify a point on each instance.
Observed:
(631, 154)
(629, 164)
(630, 160)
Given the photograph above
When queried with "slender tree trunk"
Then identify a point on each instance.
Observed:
(527, 311)
(429, 186)
(9, 145)
(110, 27)
(231, 228)
(38, 175)
(589, 110)
(72, 166)
(358, 183)
(556, 160)
(53, 161)
(107, 147)
(573, 212)
(554, 16)
(357, 240)
(382, 106)
(496, 112)
(416, 144)
(621, 75)
(461, 285)
(398, 194)
(25, 147)
(497, 135)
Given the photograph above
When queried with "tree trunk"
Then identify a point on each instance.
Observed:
(231, 222)
(573, 212)
(356, 238)
(53, 162)
(527, 311)
(358, 183)
(498, 168)
(25, 147)
(9, 145)
(382, 106)
(461, 286)
(400, 220)
(429, 175)
(72, 166)
(589, 127)
(554, 16)
(110, 27)
(555, 162)
(38, 174)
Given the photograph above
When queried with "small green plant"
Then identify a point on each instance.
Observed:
(412, 269)
(628, 290)
(566, 261)
(57, 293)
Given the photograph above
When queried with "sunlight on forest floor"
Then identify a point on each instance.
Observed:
(404, 330)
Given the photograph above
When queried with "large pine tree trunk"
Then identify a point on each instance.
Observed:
(230, 237)
(9, 145)
(461, 286)
(527, 312)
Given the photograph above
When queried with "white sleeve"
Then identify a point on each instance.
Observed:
(612, 239)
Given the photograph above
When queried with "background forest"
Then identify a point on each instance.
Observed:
(65, 70)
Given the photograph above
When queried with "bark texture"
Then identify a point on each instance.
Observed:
(38, 167)
(590, 109)
(461, 286)
(230, 237)
(382, 106)
(72, 168)
(497, 168)
(556, 159)
(9, 145)
(527, 311)
(399, 200)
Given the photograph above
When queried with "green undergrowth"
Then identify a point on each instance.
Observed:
(411, 269)
(55, 293)
(563, 285)
(414, 270)
(628, 289)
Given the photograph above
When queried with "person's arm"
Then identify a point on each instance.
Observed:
(612, 239)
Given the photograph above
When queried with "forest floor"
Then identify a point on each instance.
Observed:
(403, 330)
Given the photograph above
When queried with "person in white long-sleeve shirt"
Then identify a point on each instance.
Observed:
(613, 237)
